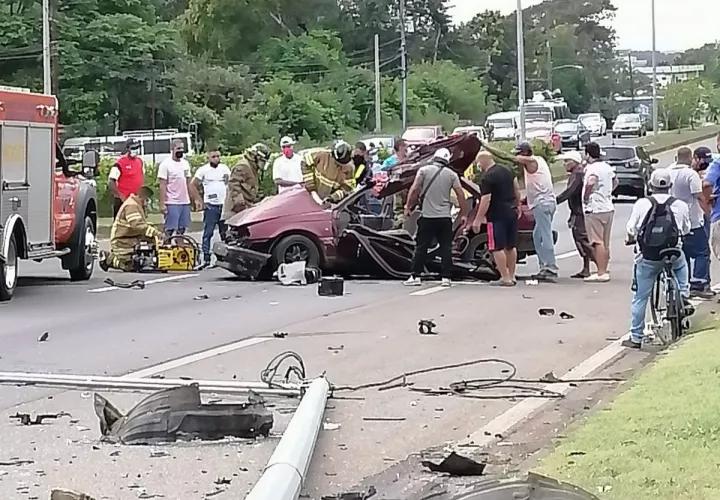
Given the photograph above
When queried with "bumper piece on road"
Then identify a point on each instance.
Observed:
(536, 486)
(178, 414)
(240, 261)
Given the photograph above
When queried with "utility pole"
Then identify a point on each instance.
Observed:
(378, 110)
(521, 68)
(654, 74)
(54, 49)
(632, 82)
(403, 63)
(548, 48)
(153, 111)
(47, 84)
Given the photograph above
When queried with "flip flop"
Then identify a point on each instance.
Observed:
(579, 276)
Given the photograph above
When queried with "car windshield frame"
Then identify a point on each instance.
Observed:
(502, 123)
(420, 134)
(630, 119)
(631, 153)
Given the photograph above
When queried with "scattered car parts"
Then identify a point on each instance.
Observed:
(179, 414)
(456, 465)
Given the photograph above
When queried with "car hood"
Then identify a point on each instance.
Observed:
(464, 149)
(295, 201)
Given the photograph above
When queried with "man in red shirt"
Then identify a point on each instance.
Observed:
(127, 175)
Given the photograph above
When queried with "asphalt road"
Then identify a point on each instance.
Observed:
(369, 334)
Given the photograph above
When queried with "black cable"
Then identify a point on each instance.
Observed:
(269, 373)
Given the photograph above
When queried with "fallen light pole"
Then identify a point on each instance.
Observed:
(146, 384)
(285, 472)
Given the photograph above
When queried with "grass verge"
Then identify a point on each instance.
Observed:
(674, 138)
(660, 439)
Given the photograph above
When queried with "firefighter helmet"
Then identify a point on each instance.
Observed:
(341, 151)
(259, 152)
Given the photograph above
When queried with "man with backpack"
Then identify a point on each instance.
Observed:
(657, 223)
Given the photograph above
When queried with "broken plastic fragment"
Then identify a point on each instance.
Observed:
(329, 426)
(546, 311)
(456, 465)
(178, 414)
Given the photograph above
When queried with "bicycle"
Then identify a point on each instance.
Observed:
(666, 302)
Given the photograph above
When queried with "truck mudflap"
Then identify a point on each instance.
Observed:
(240, 261)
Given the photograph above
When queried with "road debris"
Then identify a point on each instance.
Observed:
(280, 335)
(565, 315)
(223, 481)
(43, 337)
(532, 282)
(60, 494)
(329, 426)
(159, 454)
(384, 419)
(331, 286)
(425, 327)
(202, 296)
(136, 284)
(530, 487)
(456, 465)
(336, 349)
(16, 462)
(26, 419)
(546, 311)
(178, 414)
(353, 495)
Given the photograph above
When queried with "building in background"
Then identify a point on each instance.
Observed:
(667, 75)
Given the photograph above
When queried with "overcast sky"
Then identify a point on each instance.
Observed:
(681, 24)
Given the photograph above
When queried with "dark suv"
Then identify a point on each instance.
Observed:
(633, 166)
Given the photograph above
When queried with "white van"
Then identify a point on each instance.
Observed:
(502, 126)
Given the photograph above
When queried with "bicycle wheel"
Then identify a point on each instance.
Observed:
(658, 306)
(675, 311)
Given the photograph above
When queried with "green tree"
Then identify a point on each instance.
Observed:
(682, 102)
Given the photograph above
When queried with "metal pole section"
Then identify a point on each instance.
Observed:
(548, 47)
(285, 472)
(654, 74)
(521, 69)
(403, 63)
(146, 384)
(378, 109)
(47, 83)
(632, 82)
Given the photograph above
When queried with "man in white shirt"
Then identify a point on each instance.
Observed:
(287, 172)
(646, 270)
(598, 185)
(175, 188)
(213, 177)
(541, 201)
(687, 186)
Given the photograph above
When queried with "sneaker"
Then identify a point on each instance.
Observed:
(702, 294)
(631, 344)
(597, 278)
(446, 282)
(413, 281)
(546, 276)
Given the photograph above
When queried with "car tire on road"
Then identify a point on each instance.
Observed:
(477, 251)
(9, 272)
(86, 260)
(298, 247)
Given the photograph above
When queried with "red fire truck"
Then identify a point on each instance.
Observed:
(48, 205)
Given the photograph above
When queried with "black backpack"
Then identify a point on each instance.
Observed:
(659, 230)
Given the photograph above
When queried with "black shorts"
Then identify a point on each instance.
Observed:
(502, 232)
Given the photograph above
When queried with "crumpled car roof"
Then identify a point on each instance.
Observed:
(463, 147)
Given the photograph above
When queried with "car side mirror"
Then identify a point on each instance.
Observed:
(90, 163)
(654, 161)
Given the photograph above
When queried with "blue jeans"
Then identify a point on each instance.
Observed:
(212, 218)
(543, 236)
(645, 274)
(696, 247)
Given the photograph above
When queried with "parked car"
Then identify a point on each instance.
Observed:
(629, 124)
(351, 240)
(594, 122)
(633, 166)
(541, 130)
(573, 134)
(473, 130)
(420, 135)
(502, 126)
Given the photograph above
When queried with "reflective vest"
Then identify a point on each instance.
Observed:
(322, 174)
(131, 175)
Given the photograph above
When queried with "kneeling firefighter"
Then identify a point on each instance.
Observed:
(243, 187)
(129, 228)
(329, 173)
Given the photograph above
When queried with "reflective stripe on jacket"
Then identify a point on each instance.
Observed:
(322, 174)
(130, 227)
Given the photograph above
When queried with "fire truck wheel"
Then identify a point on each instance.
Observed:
(85, 250)
(9, 272)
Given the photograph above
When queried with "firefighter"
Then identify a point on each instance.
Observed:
(129, 228)
(329, 173)
(243, 188)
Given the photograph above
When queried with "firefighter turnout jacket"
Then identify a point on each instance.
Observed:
(328, 178)
(243, 187)
(129, 228)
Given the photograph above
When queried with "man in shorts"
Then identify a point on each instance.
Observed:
(499, 209)
(598, 185)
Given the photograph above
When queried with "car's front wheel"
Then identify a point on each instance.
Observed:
(9, 272)
(297, 248)
(478, 252)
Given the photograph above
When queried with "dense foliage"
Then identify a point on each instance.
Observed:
(238, 72)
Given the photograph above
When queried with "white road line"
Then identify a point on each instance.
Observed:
(521, 411)
(199, 356)
(566, 255)
(428, 291)
(148, 282)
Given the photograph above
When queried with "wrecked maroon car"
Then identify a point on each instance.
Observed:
(348, 238)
